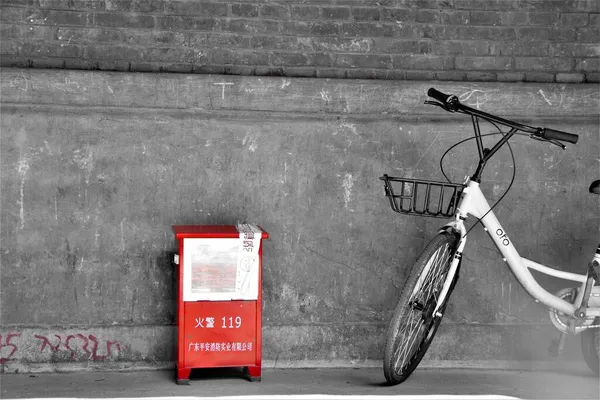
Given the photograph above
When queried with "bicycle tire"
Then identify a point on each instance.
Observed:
(436, 258)
(590, 347)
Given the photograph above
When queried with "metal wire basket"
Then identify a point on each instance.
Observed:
(422, 197)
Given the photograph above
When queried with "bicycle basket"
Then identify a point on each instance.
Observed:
(422, 197)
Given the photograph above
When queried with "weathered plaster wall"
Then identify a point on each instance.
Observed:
(97, 166)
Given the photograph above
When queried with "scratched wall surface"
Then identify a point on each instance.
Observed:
(97, 166)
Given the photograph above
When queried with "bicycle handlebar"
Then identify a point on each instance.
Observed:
(452, 103)
(548, 133)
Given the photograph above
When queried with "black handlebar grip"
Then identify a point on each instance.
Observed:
(560, 135)
(439, 96)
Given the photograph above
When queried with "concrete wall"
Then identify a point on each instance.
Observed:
(97, 166)
(453, 40)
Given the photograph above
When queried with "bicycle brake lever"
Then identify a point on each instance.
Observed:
(551, 141)
(440, 105)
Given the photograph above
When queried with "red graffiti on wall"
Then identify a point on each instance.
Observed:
(74, 343)
(8, 344)
(79, 341)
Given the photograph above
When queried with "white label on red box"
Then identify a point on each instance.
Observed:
(220, 269)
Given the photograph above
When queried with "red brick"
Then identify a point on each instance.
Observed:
(594, 19)
(570, 78)
(78, 63)
(291, 59)
(588, 35)
(153, 6)
(225, 40)
(539, 77)
(335, 12)
(113, 65)
(51, 17)
(366, 13)
(334, 45)
(123, 20)
(299, 72)
(560, 5)
(12, 61)
(137, 66)
(501, 5)
(455, 17)
(422, 62)
(510, 76)
(361, 29)
(574, 50)
(33, 32)
(244, 10)
(10, 47)
(451, 75)
(575, 20)
(396, 46)
(173, 54)
(47, 63)
(186, 23)
(478, 76)
(166, 38)
(272, 11)
(428, 16)
(592, 77)
(113, 52)
(17, 2)
(484, 63)
(56, 50)
(268, 71)
(410, 31)
(544, 19)
(251, 26)
(588, 65)
(87, 35)
(330, 73)
(220, 56)
(549, 34)
(485, 18)
(361, 73)
(71, 5)
(456, 47)
(519, 48)
(514, 18)
(420, 75)
(396, 14)
(195, 8)
(362, 61)
(305, 12)
(12, 14)
(543, 64)
(208, 69)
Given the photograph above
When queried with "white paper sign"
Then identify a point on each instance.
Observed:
(222, 268)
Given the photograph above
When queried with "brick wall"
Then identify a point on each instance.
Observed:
(475, 40)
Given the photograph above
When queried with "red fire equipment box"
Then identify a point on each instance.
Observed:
(219, 307)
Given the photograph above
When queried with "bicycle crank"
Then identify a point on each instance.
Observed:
(563, 322)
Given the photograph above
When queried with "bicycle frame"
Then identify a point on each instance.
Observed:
(474, 203)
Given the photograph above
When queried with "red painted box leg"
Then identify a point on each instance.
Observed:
(254, 373)
(183, 376)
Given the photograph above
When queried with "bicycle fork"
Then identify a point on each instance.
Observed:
(455, 228)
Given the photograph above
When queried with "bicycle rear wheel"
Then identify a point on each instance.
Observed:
(413, 324)
(590, 347)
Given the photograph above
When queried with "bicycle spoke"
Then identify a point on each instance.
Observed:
(412, 330)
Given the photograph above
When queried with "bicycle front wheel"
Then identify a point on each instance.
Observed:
(413, 324)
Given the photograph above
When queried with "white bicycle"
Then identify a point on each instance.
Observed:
(432, 278)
